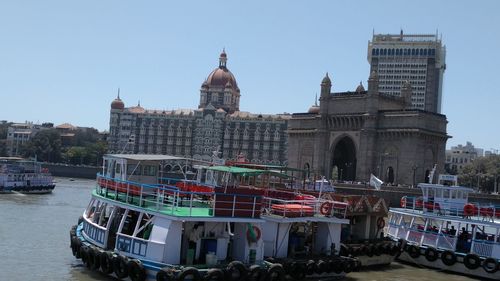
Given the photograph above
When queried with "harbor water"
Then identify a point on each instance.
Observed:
(34, 240)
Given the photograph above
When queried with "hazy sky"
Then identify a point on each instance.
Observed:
(63, 61)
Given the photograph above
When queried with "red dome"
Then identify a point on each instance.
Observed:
(220, 77)
(117, 104)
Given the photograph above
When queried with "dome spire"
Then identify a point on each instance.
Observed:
(223, 58)
(316, 100)
(118, 93)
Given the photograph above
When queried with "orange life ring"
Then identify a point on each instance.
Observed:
(469, 209)
(486, 212)
(380, 223)
(257, 232)
(402, 202)
(326, 208)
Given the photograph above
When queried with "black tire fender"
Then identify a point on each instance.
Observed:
(257, 273)
(448, 258)
(310, 267)
(136, 270)
(106, 260)
(236, 271)
(189, 271)
(414, 251)
(431, 254)
(165, 274)
(298, 270)
(490, 265)
(275, 273)
(472, 261)
(337, 266)
(120, 266)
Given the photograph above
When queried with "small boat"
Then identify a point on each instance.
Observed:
(442, 230)
(147, 220)
(18, 175)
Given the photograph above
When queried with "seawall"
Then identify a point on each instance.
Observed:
(72, 171)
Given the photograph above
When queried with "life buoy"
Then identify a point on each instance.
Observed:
(106, 259)
(275, 273)
(256, 232)
(380, 223)
(402, 202)
(236, 271)
(414, 251)
(448, 258)
(469, 209)
(431, 254)
(189, 271)
(472, 261)
(326, 208)
(257, 273)
(136, 270)
(490, 265)
(165, 274)
(120, 266)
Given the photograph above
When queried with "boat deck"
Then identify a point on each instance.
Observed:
(195, 209)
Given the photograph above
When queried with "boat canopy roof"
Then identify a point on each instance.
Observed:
(244, 171)
(440, 186)
(144, 157)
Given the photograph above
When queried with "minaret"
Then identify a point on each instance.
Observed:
(223, 59)
(326, 87)
(373, 83)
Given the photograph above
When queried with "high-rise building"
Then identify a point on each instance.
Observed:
(416, 58)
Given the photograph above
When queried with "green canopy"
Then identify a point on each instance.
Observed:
(245, 171)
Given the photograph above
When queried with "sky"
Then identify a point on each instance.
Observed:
(63, 61)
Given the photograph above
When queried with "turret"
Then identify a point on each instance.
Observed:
(373, 83)
(326, 87)
(406, 93)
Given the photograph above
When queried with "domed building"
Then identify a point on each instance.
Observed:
(220, 89)
(217, 125)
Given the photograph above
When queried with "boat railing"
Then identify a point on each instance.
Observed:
(419, 236)
(172, 200)
(305, 206)
(485, 248)
(473, 211)
(138, 247)
(94, 232)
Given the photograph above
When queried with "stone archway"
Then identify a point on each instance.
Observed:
(389, 177)
(344, 158)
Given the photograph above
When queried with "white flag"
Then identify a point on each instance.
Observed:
(375, 182)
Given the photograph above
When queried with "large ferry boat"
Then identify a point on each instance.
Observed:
(442, 230)
(145, 222)
(24, 176)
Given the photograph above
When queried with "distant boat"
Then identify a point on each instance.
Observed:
(18, 175)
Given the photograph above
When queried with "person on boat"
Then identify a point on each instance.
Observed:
(452, 231)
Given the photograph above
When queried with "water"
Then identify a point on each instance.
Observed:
(34, 240)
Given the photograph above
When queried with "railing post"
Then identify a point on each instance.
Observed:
(140, 195)
(190, 204)
(253, 208)
(128, 188)
(234, 205)
(213, 208)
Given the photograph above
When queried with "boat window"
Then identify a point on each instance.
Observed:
(130, 222)
(90, 209)
(145, 227)
(149, 170)
(118, 169)
(439, 193)
(446, 193)
(453, 194)
(460, 194)
(431, 193)
(134, 169)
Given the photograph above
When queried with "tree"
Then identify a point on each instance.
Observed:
(483, 173)
(45, 146)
